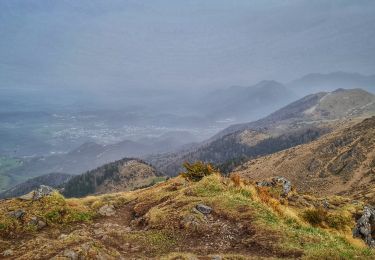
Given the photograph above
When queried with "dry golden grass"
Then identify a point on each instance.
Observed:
(236, 179)
(258, 223)
(318, 167)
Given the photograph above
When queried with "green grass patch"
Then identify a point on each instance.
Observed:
(154, 242)
(317, 243)
(54, 210)
(209, 186)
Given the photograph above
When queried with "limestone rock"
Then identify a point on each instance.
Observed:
(70, 254)
(107, 210)
(364, 226)
(39, 193)
(17, 214)
(37, 222)
(8, 252)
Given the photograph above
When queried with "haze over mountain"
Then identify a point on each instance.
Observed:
(91, 155)
(88, 71)
(246, 103)
(93, 54)
(316, 82)
(322, 106)
(303, 120)
(300, 122)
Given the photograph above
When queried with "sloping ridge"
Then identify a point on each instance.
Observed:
(320, 106)
(122, 175)
(300, 122)
(341, 162)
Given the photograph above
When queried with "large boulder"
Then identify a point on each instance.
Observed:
(17, 214)
(107, 210)
(364, 226)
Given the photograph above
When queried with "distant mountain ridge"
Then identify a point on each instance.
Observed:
(299, 122)
(52, 179)
(122, 175)
(321, 106)
(90, 155)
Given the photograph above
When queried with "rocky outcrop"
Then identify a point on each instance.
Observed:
(39, 193)
(365, 225)
(275, 181)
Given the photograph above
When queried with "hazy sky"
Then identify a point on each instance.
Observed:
(111, 45)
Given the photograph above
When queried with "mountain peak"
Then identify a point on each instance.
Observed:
(315, 82)
(269, 83)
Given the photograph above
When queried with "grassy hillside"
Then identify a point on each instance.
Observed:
(162, 222)
(341, 162)
(232, 150)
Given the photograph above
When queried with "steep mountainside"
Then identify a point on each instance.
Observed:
(342, 162)
(122, 175)
(314, 109)
(300, 122)
(233, 149)
(53, 180)
(214, 218)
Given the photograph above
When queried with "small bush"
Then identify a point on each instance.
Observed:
(319, 216)
(53, 216)
(196, 171)
(208, 187)
(263, 194)
(266, 197)
(338, 221)
(80, 217)
(315, 216)
(3, 226)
